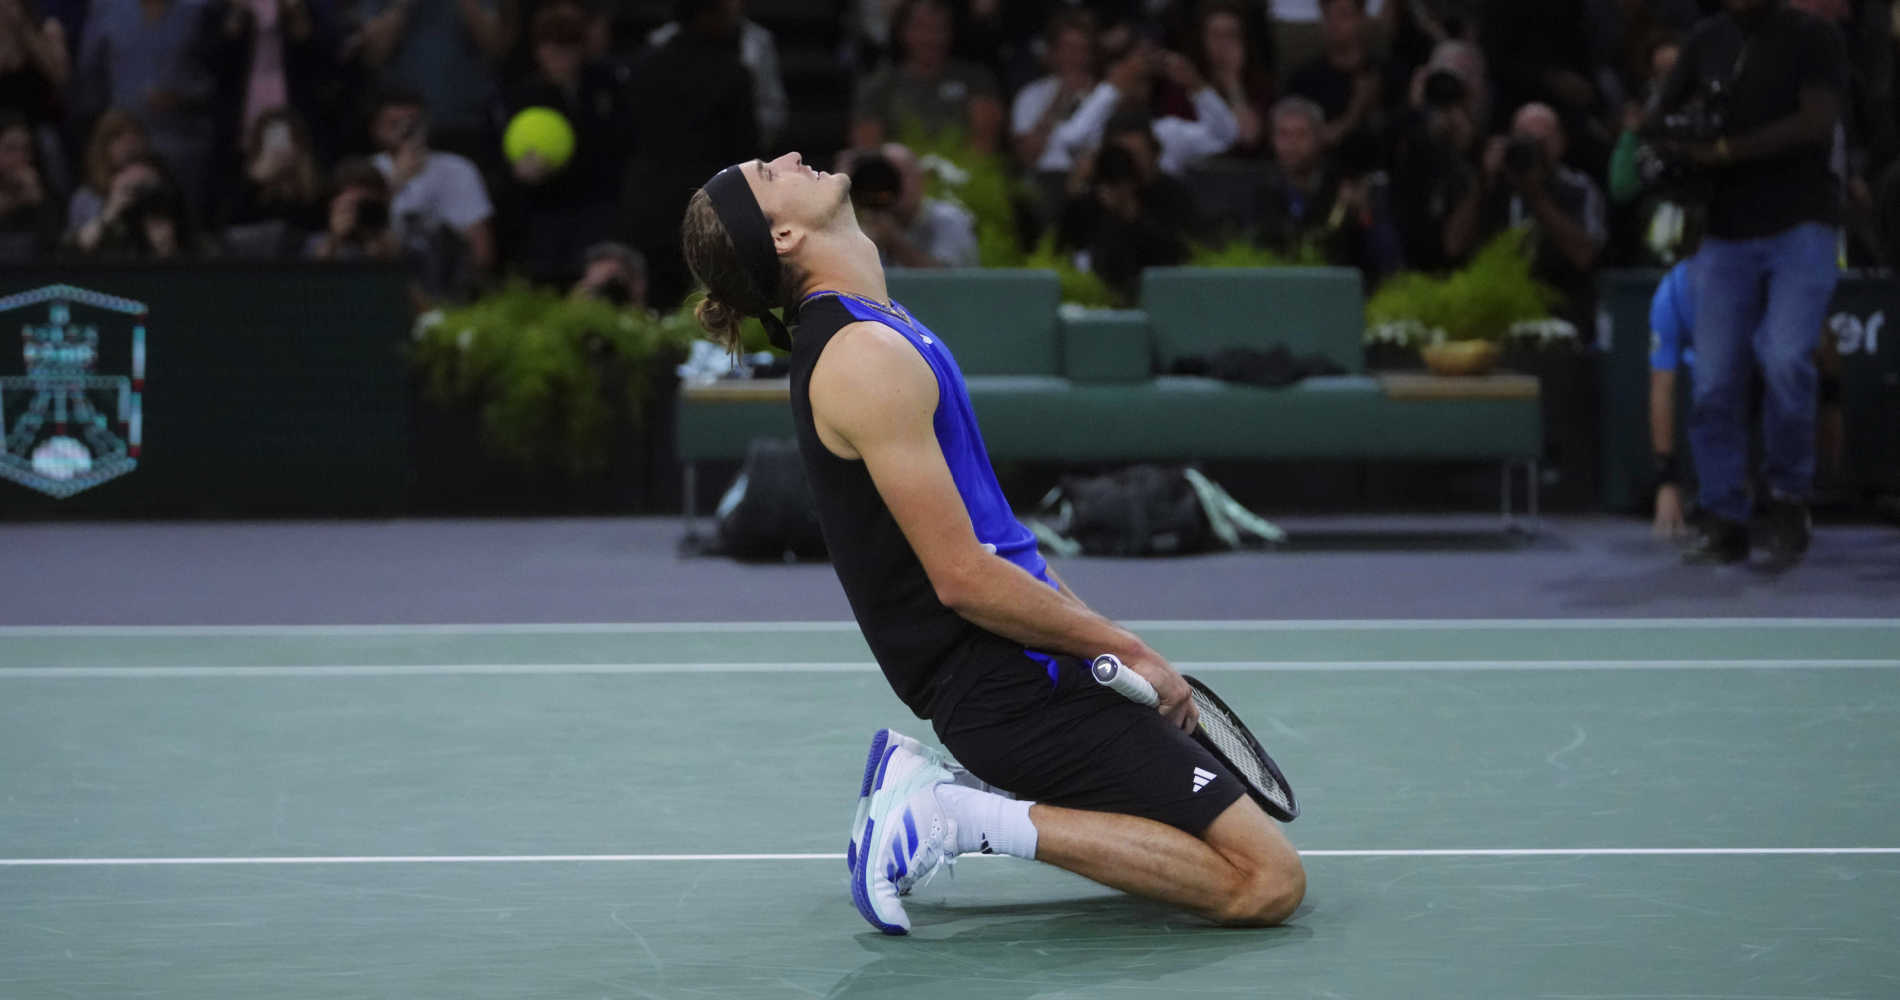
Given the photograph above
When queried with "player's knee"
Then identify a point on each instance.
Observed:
(1266, 896)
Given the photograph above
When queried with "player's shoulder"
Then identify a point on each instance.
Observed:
(870, 380)
(866, 352)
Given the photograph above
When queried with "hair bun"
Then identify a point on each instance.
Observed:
(720, 320)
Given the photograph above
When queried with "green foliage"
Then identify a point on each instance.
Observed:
(549, 375)
(1480, 301)
(1079, 287)
(1243, 253)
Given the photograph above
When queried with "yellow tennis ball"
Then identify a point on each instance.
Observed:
(541, 131)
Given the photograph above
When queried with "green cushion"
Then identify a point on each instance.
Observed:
(996, 321)
(1106, 345)
(1312, 310)
(1175, 418)
(1180, 418)
(710, 429)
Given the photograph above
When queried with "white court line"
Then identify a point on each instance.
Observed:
(1187, 666)
(640, 628)
(511, 859)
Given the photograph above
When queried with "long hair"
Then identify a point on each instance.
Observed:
(111, 125)
(730, 297)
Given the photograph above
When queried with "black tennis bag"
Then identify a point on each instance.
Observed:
(1146, 510)
(768, 511)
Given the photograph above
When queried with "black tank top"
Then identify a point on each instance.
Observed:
(918, 642)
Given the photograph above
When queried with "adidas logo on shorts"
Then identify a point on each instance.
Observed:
(1202, 777)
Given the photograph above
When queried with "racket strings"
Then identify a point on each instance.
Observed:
(1238, 751)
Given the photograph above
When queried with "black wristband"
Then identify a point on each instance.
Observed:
(1664, 470)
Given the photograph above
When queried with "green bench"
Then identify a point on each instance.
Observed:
(1064, 385)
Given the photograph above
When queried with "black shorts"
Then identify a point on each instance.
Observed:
(1071, 742)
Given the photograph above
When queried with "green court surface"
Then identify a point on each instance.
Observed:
(1492, 809)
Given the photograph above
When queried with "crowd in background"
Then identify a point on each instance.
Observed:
(1379, 134)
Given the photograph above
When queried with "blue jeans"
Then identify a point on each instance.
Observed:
(1758, 302)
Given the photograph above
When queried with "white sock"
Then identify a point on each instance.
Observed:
(968, 780)
(988, 823)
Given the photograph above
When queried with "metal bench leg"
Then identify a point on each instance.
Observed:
(1504, 484)
(689, 480)
(1533, 484)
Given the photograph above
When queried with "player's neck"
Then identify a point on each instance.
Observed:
(850, 265)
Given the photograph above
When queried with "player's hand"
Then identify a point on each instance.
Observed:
(1177, 702)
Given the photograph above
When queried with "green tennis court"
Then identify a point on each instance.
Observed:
(1492, 809)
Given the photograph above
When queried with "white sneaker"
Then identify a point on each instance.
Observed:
(906, 838)
(883, 743)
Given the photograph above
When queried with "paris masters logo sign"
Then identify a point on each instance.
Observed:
(66, 426)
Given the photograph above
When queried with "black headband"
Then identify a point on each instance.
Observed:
(739, 212)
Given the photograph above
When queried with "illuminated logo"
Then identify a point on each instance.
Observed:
(63, 426)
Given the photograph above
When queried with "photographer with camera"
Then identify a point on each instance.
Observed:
(613, 273)
(359, 226)
(1523, 180)
(1761, 85)
(1124, 214)
(910, 229)
(1434, 151)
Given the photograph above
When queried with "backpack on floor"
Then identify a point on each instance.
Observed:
(1146, 510)
(768, 511)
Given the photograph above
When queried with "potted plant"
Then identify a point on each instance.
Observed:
(1459, 322)
(556, 389)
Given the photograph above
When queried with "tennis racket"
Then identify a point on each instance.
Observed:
(1220, 731)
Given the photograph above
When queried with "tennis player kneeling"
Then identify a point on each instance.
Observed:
(972, 628)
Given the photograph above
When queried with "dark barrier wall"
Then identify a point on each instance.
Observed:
(266, 389)
(1864, 310)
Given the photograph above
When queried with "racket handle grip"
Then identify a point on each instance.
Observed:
(1111, 673)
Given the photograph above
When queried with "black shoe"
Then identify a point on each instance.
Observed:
(1790, 528)
(1718, 542)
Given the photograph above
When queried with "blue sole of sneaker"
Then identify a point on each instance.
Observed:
(873, 768)
(860, 882)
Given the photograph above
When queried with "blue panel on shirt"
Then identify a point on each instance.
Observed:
(1672, 320)
(962, 443)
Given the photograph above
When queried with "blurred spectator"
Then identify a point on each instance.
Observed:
(692, 107)
(435, 193)
(283, 55)
(924, 88)
(1236, 67)
(555, 213)
(358, 217)
(1435, 151)
(1128, 85)
(1659, 223)
(35, 65)
(1541, 52)
(1413, 29)
(760, 55)
(117, 140)
(144, 218)
(1298, 31)
(615, 273)
(158, 60)
(910, 229)
(1335, 204)
(444, 51)
(1047, 102)
(1524, 182)
(29, 214)
(278, 201)
(1124, 213)
(1343, 79)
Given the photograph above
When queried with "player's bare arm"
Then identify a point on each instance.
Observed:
(873, 398)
